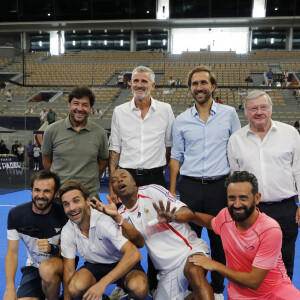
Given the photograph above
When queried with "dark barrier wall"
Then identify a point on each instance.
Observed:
(20, 123)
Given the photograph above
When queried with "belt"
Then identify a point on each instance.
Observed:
(205, 180)
(141, 172)
(276, 202)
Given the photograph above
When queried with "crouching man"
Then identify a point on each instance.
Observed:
(168, 244)
(109, 256)
(252, 244)
(38, 223)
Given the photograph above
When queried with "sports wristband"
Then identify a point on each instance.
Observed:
(54, 249)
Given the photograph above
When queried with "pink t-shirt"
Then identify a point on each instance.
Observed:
(259, 246)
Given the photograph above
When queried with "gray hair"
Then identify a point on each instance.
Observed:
(141, 69)
(255, 94)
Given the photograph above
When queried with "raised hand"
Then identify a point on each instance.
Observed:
(110, 209)
(164, 215)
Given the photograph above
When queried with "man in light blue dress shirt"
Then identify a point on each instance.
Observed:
(199, 154)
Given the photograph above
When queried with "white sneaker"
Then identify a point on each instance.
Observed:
(34, 169)
(117, 294)
(219, 296)
(37, 168)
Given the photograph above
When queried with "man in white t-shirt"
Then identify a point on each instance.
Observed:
(169, 244)
(109, 256)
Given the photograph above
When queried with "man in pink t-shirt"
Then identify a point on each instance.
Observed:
(252, 244)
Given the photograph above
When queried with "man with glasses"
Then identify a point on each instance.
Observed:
(270, 150)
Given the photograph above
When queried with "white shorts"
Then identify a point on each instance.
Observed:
(173, 284)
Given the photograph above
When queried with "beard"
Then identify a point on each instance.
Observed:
(241, 217)
(42, 206)
(140, 97)
(207, 96)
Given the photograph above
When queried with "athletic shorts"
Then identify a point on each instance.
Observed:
(31, 283)
(100, 270)
(173, 284)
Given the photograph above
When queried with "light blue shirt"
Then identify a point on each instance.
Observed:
(202, 147)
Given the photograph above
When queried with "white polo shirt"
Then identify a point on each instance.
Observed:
(275, 160)
(168, 244)
(141, 142)
(103, 244)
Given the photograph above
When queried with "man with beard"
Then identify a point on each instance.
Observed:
(109, 256)
(141, 140)
(271, 150)
(75, 147)
(38, 223)
(199, 153)
(252, 243)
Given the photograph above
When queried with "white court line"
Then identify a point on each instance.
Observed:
(8, 205)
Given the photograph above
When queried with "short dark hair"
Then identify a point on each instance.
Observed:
(82, 91)
(212, 76)
(243, 176)
(73, 185)
(41, 175)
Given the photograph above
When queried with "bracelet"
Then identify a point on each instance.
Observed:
(120, 224)
(174, 220)
(54, 250)
(175, 216)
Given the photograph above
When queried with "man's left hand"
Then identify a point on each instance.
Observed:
(164, 215)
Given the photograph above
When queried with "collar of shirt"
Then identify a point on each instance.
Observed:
(250, 131)
(133, 106)
(213, 110)
(69, 125)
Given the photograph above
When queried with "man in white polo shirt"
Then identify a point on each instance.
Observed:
(110, 257)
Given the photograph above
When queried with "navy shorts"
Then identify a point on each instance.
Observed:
(100, 270)
(31, 283)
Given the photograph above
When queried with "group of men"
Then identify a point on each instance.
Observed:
(49, 116)
(203, 145)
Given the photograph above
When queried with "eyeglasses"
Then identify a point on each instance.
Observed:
(256, 108)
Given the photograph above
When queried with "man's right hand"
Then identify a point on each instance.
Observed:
(10, 294)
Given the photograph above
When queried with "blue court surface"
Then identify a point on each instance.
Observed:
(7, 201)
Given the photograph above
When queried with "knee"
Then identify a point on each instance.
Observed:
(76, 288)
(50, 269)
(137, 285)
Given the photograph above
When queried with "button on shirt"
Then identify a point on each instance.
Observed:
(141, 142)
(202, 147)
(103, 244)
(274, 160)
